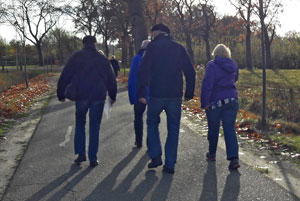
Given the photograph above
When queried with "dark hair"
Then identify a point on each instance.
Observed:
(89, 40)
(161, 27)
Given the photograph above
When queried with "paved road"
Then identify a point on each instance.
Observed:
(47, 172)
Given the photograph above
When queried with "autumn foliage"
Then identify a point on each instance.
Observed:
(16, 99)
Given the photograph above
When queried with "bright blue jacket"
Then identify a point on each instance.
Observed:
(133, 74)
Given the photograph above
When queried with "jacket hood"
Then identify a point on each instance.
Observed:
(226, 64)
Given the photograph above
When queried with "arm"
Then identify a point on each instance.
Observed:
(65, 78)
(132, 79)
(111, 83)
(144, 73)
(207, 86)
(189, 74)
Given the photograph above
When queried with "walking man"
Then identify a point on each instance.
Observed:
(91, 76)
(162, 67)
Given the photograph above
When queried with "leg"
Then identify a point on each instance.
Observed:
(155, 107)
(173, 112)
(229, 112)
(213, 120)
(139, 109)
(96, 111)
(79, 140)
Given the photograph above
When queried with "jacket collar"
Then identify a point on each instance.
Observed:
(162, 36)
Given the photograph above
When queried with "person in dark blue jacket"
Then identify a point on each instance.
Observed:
(162, 69)
(139, 108)
(92, 77)
(219, 97)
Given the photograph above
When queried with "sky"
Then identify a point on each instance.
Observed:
(289, 19)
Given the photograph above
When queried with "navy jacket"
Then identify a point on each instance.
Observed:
(219, 81)
(133, 77)
(92, 75)
(162, 69)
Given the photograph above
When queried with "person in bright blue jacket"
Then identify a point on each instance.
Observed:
(139, 108)
(219, 97)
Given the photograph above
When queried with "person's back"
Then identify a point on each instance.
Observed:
(162, 69)
(91, 76)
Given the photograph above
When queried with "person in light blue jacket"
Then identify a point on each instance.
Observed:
(139, 108)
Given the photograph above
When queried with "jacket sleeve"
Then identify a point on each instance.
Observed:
(207, 85)
(111, 83)
(189, 73)
(65, 78)
(132, 79)
(144, 73)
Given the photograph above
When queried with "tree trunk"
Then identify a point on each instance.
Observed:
(207, 46)
(248, 49)
(105, 41)
(136, 16)
(124, 44)
(188, 42)
(39, 49)
(268, 51)
(131, 50)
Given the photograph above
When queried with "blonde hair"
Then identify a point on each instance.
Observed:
(221, 50)
(101, 52)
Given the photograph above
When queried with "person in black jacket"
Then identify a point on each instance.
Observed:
(115, 65)
(162, 69)
(92, 77)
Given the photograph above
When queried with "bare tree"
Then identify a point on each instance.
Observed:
(155, 11)
(120, 9)
(205, 13)
(262, 16)
(136, 16)
(39, 17)
(2, 11)
(185, 13)
(84, 15)
(245, 10)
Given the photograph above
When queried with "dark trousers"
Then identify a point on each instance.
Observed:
(95, 109)
(139, 109)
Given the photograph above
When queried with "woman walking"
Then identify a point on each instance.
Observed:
(219, 97)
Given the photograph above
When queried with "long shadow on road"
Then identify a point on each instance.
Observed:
(54, 184)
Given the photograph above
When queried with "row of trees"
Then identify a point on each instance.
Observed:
(125, 23)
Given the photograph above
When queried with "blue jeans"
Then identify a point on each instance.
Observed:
(95, 114)
(172, 106)
(227, 114)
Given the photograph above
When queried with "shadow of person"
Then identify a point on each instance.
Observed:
(145, 186)
(232, 187)
(161, 191)
(54, 184)
(209, 189)
(104, 190)
(71, 184)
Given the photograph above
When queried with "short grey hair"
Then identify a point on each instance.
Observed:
(144, 44)
(221, 50)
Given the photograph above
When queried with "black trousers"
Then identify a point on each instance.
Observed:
(139, 109)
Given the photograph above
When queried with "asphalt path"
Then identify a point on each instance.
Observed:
(47, 172)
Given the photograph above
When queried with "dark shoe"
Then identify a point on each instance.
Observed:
(137, 144)
(80, 158)
(155, 162)
(234, 164)
(168, 170)
(94, 164)
(210, 157)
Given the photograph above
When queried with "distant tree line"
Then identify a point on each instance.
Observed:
(121, 25)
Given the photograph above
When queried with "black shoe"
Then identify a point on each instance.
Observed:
(80, 158)
(168, 170)
(137, 144)
(155, 162)
(234, 164)
(210, 157)
(94, 164)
